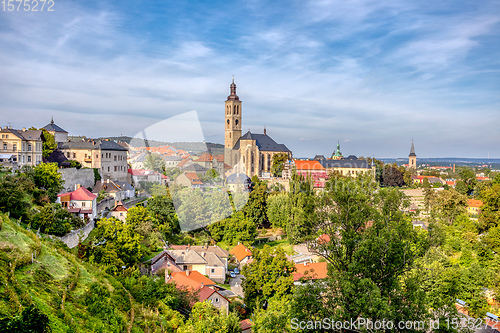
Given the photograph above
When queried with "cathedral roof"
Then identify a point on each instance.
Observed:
(263, 141)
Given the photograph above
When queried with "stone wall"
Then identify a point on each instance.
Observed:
(72, 239)
(74, 176)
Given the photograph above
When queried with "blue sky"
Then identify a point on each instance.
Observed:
(372, 74)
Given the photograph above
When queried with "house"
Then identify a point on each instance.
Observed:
(313, 169)
(140, 175)
(238, 182)
(207, 260)
(172, 161)
(432, 180)
(474, 206)
(246, 326)
(242, 254)
(59, 134)
(127, 188)
(21, 147)
(215, 162)
(119, 212)
(58, 157)
(310, 271)
(108, 157)
(350, 166)
(189, 179)
(80, 202)
(189, 280)
(110, 188)
(212, 296)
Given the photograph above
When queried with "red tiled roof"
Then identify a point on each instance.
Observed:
(240, 251)
(137, 172)
(323, 239)
(119, 207)
(193, 178)
(183, 163)
(474, 203)
(311, 271)
(81, 194)
(205, 157)
(193, 280)
(308, 165)
(245, 324)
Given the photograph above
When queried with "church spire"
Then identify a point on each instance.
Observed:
(233, 96)
(412, 150)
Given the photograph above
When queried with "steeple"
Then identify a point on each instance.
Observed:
(52, 120)
(412, 150)
(233, 96)
(337, 155)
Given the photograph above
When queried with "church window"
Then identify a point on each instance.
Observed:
(236, 121)
(230, 135)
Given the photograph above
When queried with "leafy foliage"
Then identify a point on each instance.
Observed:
(278, 164)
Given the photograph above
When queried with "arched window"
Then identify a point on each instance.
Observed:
(230, 135)
(234, 109)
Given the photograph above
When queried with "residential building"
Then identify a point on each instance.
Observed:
(193, 280)
(21, 147)
(212, 296)
(108, 157)
(312, 169)
(246, 326)
(80, 202)
(140, 175)
(242, 254)
(189, 179)
(350, 166)
(310, 271)
(238, 182)
(119, 212)
(474, 206)
(172, 161)
(59, 134)
(112, 189)
(251, 153)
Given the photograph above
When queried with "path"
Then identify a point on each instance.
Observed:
(235, 284)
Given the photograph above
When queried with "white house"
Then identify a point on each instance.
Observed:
(81, 202)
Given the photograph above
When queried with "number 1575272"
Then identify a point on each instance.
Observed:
(27, 5)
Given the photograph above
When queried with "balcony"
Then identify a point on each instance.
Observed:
(88, 160)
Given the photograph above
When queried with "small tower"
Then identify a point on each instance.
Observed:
(337, 155)
(232, 123)
(412, 158)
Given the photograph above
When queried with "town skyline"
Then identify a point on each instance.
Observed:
(370, 75)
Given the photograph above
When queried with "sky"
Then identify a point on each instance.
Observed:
(372, 75)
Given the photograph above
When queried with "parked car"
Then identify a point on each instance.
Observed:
(232, 274)
(236, 271)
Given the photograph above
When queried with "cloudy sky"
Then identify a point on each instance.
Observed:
(371, 74)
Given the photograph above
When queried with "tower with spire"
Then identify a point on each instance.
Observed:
(412, 158)
(337, 155)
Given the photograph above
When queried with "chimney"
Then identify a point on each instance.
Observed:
(189, 247)
(187, 273)
(201, 286)
(167, 276)
(204, 254)
(24, 129)
(265, 132)
(78, 186)
(305, 264)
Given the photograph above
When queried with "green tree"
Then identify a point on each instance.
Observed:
(46, 177)
(49, 143)
(13, 198)
(372, 250)
(162, 210)
(270, 274)
(461, 187)
(206, 318)
(426, 183)
(154, 162)
(490, 211)
(468, 176)
(74, 164)
(255, 209)
(31, 320)
(450, 204)
(234, 229)
(278, 164)
(278, 209)
(276, 318)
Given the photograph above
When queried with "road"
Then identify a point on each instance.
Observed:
(235, 284)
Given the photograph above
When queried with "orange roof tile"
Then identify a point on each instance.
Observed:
(240, 251)
(311, 271)
(308, 165)
(193, 280)
(193, 178)
(474, 203)
(245, 324)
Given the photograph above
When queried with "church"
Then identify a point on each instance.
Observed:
(251, 154)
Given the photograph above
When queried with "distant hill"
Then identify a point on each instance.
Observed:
(191, 147)
(492, 163)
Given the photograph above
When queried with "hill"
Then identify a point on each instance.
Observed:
(75, 295)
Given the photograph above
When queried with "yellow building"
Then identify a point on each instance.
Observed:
(21, 147)
(474, 206)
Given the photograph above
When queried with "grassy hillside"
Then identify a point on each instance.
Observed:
(76, 296)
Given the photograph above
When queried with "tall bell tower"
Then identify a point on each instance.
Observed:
(412, 158)
(232, 123)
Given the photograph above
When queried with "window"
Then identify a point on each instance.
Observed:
(83, 204)
(115, 168)
(68, 155)
(74, 155)
(14, 146)
(212, 270)
(115, 158)
(96, 155)
(108, 169)
(216, 300)
(85, 156)
(4, 146)
(29, 146)
(29, 158)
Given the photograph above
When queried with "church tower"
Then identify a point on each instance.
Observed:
(412, 158)
(232, 123)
